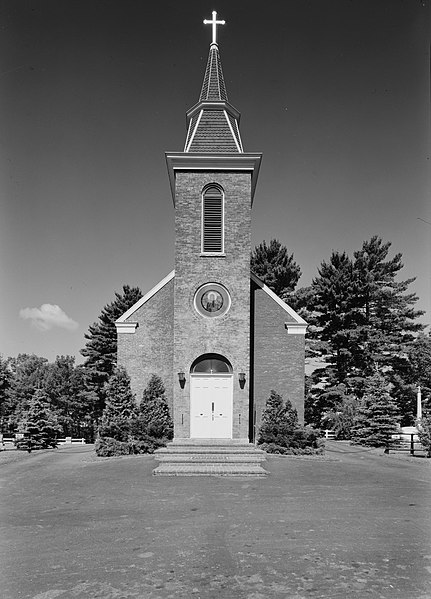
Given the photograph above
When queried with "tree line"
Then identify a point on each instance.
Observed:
(364, 336)
(364, 339)
(70, 398)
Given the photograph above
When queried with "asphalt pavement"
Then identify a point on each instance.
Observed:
(356, 523)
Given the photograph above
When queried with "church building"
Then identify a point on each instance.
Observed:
(218, 337)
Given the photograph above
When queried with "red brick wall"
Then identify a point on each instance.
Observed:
(278, 357)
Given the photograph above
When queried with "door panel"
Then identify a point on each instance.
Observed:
(211, 407)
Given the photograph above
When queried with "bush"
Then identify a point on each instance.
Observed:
(124, 429)
(279, 420)
(154, 417)
(303, 441)
(278, 449)
(120, 409)
(281, 433)
(107, 447)
(424, 432)
(146, 444)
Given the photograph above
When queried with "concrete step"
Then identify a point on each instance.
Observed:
(210, 457)
(212, 442)
(209, 470)
(216, 450)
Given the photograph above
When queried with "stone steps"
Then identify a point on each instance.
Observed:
(210, 457)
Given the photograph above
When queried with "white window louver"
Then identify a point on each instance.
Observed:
(212, 226)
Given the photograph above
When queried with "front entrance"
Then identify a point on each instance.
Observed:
(211, 407)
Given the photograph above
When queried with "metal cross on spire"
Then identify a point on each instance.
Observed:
(214, 23)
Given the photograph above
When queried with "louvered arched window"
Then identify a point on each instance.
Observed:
(212, 220)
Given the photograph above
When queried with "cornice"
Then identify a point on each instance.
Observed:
(189, 161)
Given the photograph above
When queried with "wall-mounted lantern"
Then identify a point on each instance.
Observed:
(182, 379)
(241, 378)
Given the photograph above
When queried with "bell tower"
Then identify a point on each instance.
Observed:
(213, 183)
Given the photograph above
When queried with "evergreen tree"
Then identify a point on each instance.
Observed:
(28, 375)
(276, 267)
(419, 361)
(100, 351)
(39, 423)
(387, 321)
(154, 416)
(424, 432)
(377, 415)
(335, 293)
(6, 381)
(279, 419)
(363, 320)
(120, 409)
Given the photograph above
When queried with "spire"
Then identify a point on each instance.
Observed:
(213, 87)
(213, 123)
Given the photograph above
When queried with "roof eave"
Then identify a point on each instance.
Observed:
(299, 323)
(214, 105)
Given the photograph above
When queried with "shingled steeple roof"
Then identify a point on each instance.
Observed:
(213, 122)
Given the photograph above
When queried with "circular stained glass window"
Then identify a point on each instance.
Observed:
(212, 299)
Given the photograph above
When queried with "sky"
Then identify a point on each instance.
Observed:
(334, 93)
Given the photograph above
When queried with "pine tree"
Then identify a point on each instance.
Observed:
(335, 296)
(419, 363)
(39, 423)
(387, 321)
(377, 415)
(100, 350)
(276, 267)
(363, 320)
(155, 418)
(120, 409)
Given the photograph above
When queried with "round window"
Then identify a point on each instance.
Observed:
(212, 299)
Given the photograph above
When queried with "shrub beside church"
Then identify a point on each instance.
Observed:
(280, 431)
(130, 429)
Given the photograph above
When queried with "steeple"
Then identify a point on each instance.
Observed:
(213, 122)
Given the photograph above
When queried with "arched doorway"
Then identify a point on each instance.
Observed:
(211, 390)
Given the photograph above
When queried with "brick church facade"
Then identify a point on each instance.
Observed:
(216, 335)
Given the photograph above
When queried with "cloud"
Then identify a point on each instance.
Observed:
(48, 316)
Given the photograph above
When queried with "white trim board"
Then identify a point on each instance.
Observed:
(145, 298)
(298, 319)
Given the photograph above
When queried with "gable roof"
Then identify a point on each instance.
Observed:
(298, 324)
(145, 298)
(298, 321)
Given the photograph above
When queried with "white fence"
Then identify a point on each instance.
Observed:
(63, 441)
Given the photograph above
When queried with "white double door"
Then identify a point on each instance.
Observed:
(211, 406)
